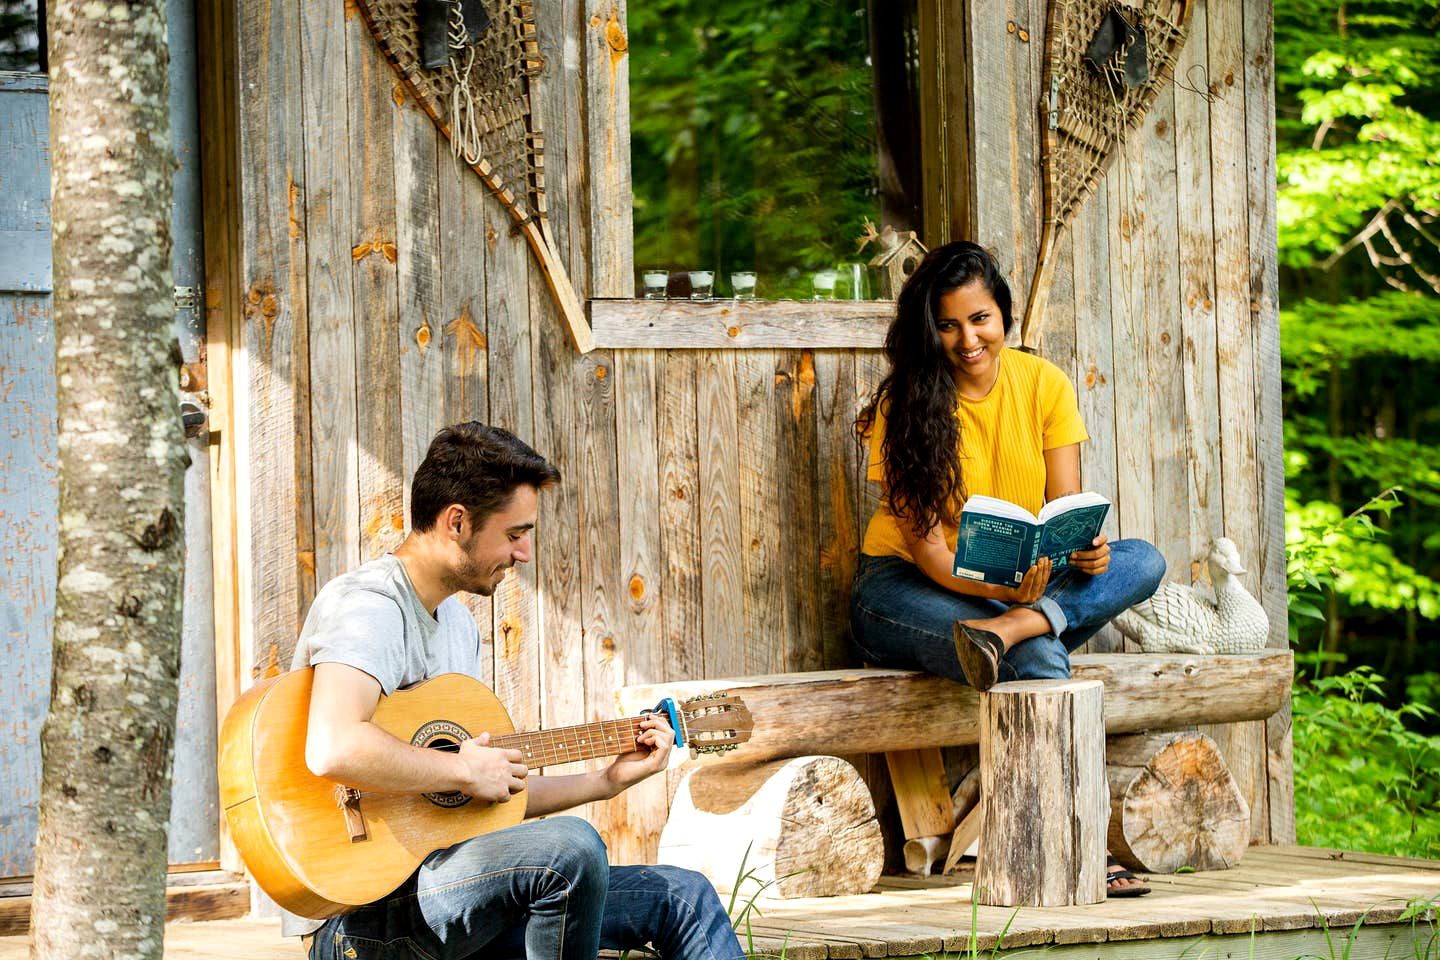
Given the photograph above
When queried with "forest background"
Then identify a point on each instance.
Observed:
(755, 138)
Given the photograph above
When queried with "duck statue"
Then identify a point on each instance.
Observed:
(1181, 619)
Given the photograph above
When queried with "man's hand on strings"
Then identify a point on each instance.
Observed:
(491, 773)
(655, 742)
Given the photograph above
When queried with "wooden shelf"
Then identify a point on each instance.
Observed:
(740, 324)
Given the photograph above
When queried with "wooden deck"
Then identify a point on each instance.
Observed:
(1291, 896)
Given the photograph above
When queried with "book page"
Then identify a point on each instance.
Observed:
(996, 507)
(1076, 500)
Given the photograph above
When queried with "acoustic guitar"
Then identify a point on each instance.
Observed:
(320, 849)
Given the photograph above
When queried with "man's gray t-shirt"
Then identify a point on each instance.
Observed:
(372, 619)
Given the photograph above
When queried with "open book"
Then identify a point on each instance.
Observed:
(999, 541)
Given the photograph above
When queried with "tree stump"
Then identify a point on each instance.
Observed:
(1044, 798)
(808, 823)
(1174, 803)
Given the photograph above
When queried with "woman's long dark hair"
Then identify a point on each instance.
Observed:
(921, 450)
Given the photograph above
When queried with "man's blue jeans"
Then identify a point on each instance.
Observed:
(901, 618)
(543, 890)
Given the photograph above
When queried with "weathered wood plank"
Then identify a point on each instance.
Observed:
(739, 324)
(1259, 33)
(1003, 109)
(271, 376)
(329, 232)
(721, 553)
(836, 465)
(605, 648)
(868, 711)
(1126, 184)
(797, 538)
(417, 241)
(1164, 340)
(1197, 306)
(607, 99)
(1244, 748)
(29, 537)
(1095, 373)
(558, 387)
(515, 606)
(944, 123)
(681, 651)
(219, 158)
(459, 336)
(373, 118)
(765, 639)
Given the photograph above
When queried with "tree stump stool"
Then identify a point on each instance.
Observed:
(1043, 790)
(807, 826)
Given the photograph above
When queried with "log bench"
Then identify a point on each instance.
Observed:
(909, 716)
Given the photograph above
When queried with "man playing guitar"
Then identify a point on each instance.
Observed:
(543, 890)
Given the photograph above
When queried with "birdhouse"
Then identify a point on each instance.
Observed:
(900, 253)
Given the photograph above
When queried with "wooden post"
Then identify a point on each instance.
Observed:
(1042, 777)
(806, 825)
(1174, 803)
(926, 813)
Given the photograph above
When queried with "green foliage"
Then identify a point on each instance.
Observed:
(752, 136)
(1357, 128)
(1315, 335)
(1364, 779)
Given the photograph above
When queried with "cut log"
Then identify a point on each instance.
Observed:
(806, 826)
(873, 711)
(1042, 777)
(920, 853)
(1173, 804)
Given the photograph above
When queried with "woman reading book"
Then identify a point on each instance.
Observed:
(961, 414)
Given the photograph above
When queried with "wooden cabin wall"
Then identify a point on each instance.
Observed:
(713, 501)
(707, 524)
(1163, 312)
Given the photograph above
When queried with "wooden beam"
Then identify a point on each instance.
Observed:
(737, 324)
(219, 162)
(831, 712)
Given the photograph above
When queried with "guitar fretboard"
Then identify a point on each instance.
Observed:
(604, 738)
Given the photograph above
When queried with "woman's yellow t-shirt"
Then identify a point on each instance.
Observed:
(1003, 439)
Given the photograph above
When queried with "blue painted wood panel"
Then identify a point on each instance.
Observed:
(28, 459)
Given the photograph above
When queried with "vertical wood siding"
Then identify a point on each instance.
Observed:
(1170, 328)
(714, 501)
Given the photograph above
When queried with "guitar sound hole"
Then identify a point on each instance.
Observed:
(440, 741)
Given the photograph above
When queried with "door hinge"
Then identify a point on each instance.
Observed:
(188, 298)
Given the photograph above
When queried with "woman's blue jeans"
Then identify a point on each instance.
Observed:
(543, 890)
(901, 618)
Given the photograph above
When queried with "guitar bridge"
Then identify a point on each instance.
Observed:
(348, 799)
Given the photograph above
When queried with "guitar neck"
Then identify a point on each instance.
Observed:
(585, 741)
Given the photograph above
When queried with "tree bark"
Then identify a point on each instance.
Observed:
(834, 712)
(1044, 806)
(105, 797)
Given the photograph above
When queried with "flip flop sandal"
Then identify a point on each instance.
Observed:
(1111, 875)
(979, 652)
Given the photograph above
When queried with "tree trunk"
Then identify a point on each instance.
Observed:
(1173, 804)
(100, 853)
(833, 712)
(1043, 796)
(806, 825)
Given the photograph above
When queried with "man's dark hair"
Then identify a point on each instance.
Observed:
(477, 466)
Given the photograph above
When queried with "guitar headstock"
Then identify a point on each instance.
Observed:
(716, 722)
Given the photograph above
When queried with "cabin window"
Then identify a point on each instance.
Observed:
(763, 135)
(22, 36)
